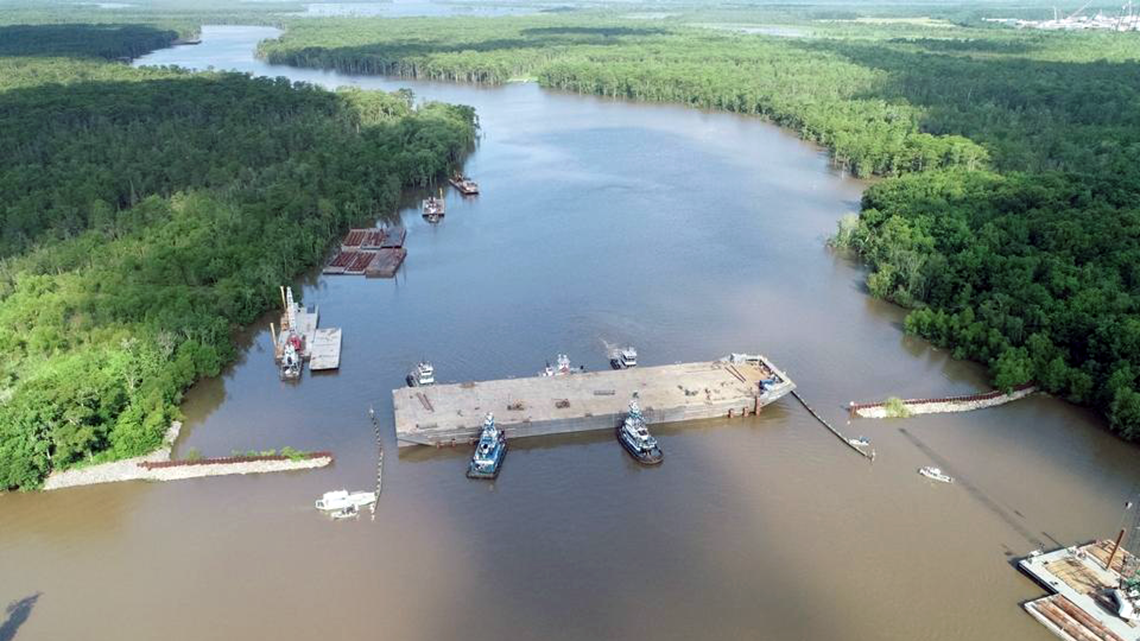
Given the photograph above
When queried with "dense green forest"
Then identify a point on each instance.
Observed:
(1010, 217)
(146, 213)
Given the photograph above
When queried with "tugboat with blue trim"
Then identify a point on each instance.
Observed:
(489, 451)
(624, 358)
(634, 436)
(422, 375)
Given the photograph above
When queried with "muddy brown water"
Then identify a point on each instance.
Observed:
(688, 234)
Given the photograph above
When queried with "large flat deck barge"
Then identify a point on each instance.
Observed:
(541, 405)
(1081, 579)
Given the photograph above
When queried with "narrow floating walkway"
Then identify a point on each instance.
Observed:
(868, 455)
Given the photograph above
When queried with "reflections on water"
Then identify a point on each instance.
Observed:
(685, 233)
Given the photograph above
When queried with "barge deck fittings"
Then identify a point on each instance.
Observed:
(541, 405)
(1080, 607)
(376, 253)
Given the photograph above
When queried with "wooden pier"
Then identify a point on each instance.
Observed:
(540, 405)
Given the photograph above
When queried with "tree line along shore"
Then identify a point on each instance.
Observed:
(1008, 219)
(148, 213)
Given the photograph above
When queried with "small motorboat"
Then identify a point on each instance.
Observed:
(338, 500)
(935, 474)
(862, 441)
(624, 358)
(422, 375)
(634, 436)
(489, 451)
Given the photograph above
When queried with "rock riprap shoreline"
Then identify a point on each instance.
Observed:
(158, 466)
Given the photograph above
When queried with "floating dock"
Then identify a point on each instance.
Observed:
(1080, 607)
(325, 350)
(451, 414)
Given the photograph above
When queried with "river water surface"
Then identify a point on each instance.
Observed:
(688, 234)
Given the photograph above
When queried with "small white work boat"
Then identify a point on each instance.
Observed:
(935, 474)
(862, 441)
(341, 499)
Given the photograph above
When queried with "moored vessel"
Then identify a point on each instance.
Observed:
(422, 375)
(434, 208)
(634, 436)
(489, 451)
(624, 358)
(561, 367)
(291, 358)
(464, 184)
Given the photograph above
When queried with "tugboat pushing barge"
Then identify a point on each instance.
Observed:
(489, 451)
(422, 375)
(624, 358)
(434, 208)
(465, 185)
(634, 436)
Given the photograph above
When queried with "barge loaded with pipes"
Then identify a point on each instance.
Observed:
(738, 385)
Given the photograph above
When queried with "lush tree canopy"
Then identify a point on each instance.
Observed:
(147, 213)
(1010, 219)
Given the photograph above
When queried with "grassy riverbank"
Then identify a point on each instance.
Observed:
(1009, 219)
(148, 213)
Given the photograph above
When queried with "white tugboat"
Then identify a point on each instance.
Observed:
(560, 369)
(489, 451)
(935, 474)
(291, 359)
(624, 358)
(634, 436)
(422, 375)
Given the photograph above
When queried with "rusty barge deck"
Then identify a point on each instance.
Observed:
(542, 405)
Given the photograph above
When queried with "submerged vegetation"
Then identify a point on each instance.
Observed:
(1010, 219)
(148, 212)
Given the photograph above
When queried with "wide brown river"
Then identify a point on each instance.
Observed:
(688, 234)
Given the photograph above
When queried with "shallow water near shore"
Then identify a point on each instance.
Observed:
(688, 234)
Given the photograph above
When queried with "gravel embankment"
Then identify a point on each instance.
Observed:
(132, 470)
(938, 406)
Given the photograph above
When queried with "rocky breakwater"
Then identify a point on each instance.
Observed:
(910, 407)
(158, 466)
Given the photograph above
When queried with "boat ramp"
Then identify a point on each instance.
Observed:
(541, 405)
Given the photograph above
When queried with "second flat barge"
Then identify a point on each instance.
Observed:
(541, 405)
